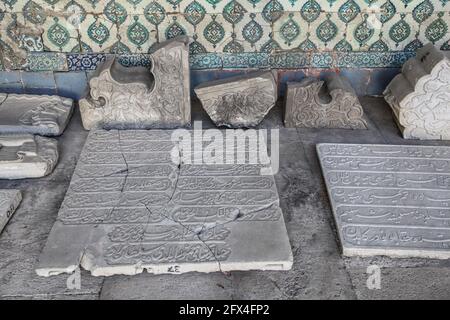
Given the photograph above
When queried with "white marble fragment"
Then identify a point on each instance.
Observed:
(331, 103)
(27, 156)
(34, 114)
(420, 95)
(138, 98)
(389, 200)
(241, 101)
(138, 210)
(9, 201)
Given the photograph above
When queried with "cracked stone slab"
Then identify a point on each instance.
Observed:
(239, 102)
(34, 114)
(27, 156)
(419, 96)
(138, 210)
(389, 200)
(9, 201)
(331, 103)
(138, 98)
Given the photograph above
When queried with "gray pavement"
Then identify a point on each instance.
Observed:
(319, 270)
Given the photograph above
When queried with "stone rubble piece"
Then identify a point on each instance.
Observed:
(34, 114)
(138, 98)
(241, 101)
(27, 156)
(389, 200)
(9, 201)
(420, 95)
(164, 216)
(328, 103)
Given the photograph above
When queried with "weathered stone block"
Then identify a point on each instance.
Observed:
(332, 103)
(241, 101)
(389, 200)
(164, 216)
(420, 95)
(9, 201)
(35, 114)
(134, 97)
(27, 156)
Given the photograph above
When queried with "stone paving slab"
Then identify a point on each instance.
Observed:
(121, 217)
(388, 199)
(9, 201)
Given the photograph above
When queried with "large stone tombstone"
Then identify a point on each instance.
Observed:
(9, 201)
(132, 206)
(134, 97)
(332, 103)
(420, 95)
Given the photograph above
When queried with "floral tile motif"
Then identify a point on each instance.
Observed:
(249, 29)
(82, 62)
(46, 61)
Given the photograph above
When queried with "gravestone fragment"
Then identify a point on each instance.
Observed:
(389, 200)
(9, 201)
(135, 97)
(420, 95)
(241, 101)
(140, 208)
(332, 103)
(35, 114)
(27, 156)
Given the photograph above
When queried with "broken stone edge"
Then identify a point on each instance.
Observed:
(15, 200)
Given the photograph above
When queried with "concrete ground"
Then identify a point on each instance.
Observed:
(319, 270)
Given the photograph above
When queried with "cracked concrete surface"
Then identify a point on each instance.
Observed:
(319, 270)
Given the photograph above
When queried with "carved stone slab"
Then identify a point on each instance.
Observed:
(312, 103)
(27, 156)
(9, 201)
(241, 101)
(136, 98)
(420, 95)
(35, 114)
(389, 200)
(129, 208)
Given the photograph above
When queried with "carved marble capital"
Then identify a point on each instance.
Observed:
(331, 103)
(135, 97)
(241, 101)
(27, 156)
(35, 114)
(420, 95)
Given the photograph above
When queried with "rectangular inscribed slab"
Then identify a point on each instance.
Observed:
(389, 200)
(130, 208)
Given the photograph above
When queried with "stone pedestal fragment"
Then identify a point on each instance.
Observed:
(9, 201)
(134, 97)
(35, 114)
(241, 101)
(27, 156)
(332, 103)
(138, 208)
(389, 200)
(420, 95)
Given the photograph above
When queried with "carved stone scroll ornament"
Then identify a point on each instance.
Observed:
(420, 95)
(27, 156)
(35, 114)
(241, 101)
(331, 103)
(134, 97)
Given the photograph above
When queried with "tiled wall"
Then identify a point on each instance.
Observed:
(38, 35)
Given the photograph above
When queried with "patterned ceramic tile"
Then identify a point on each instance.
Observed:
(46, 61)
(249, 29)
